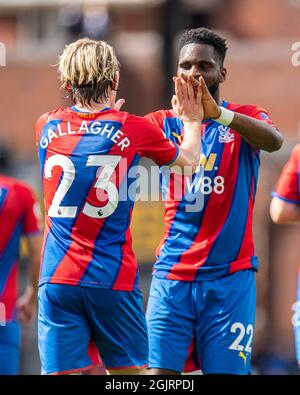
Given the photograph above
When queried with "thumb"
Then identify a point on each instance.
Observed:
(205, 91)
(119, 104)
(175, 104)
(174, 101)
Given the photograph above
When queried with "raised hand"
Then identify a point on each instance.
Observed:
(117, 105)
(210, 107)
(187, 101)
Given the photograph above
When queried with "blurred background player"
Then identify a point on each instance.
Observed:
(89, 286)
(19, 216)
(285, 209)
(203, 292)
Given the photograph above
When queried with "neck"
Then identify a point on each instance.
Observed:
(93, 107)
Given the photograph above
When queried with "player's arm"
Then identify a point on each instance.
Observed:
(283, 212)
(257, 133)
(285, 205)
(26, 304)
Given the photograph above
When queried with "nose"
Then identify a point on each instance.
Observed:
(195, 72)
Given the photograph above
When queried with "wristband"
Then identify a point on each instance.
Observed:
(226, 117)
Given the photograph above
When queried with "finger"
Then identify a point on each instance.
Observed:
(174, 101)
(178, 91)
(184, 76)
(119, 104)
(184, 88)
(190, 88)
(199, 91)
(204, 87)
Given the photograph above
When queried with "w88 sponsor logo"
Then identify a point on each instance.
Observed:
(209, 185)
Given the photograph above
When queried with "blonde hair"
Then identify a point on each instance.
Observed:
(87, 70)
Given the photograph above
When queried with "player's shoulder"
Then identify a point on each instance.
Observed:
(246, 109)
(57, 113)
(160, 114)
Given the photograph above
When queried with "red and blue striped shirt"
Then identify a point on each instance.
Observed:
(288, 185)
(18, 216)
(216, 239)
(87, 162)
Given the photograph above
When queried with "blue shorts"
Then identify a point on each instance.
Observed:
(209, 321)
(70, 317)
(10, 342)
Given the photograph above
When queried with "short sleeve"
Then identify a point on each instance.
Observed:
(260, 114)
(150, 141)
(287, 187)
(32, 213)
(156, 119)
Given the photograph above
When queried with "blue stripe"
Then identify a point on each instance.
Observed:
(228, 243)
(42, 151)
(186, 225)
(274, 194)
(10, 254)
(224, 103)
(59, 237)
(3, 195)
(107, 254)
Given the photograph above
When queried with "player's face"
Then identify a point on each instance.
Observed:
(202, 60)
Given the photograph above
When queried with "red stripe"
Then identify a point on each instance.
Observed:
(190, 364)
(128, 267)
(71, 371)
(8, 221)
(93, 353)
(127, 367)
(247, 247)
(10, 291)
(171, 206)
(80, 253)
(241, 264)
(210, 224)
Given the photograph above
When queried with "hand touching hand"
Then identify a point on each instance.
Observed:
(187, 101)
(210, 107)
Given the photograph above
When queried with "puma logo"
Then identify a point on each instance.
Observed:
(243, 356)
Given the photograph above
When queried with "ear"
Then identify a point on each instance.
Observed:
(223, 74)
(116, 81)
(68, 87)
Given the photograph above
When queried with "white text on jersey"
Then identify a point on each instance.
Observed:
(105, 129)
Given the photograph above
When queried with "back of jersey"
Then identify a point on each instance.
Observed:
(85, 161)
